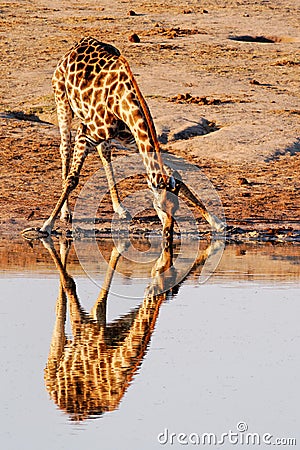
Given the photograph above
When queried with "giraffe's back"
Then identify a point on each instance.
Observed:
(93, 77)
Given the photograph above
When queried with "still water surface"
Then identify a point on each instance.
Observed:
(204, 360)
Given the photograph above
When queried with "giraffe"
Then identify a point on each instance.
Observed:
(94, 82)
(88, 375)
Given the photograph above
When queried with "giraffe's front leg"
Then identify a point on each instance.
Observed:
(104, 150)
(65, 213)
(64, 116)
(65, 152)
(45, 231)
(80, 153)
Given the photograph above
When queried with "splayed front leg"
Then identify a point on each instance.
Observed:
(80, 153)
(46, 229)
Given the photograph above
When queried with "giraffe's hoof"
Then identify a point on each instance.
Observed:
(217, 225)
(220, 228)
(124, 214)
(66, 217)
(127, 216)
(34, 233)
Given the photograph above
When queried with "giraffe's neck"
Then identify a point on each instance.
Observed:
(134, 112)
(132, 109)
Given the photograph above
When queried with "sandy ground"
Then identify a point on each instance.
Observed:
(221, 79)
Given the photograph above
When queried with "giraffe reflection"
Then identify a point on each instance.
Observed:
(89, 374)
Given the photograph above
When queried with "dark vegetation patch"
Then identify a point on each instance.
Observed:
(287, 62)
(188, 98)
(172, 32)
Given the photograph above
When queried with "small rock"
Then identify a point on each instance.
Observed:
(134, 38)
(243, 180)
(131, 13)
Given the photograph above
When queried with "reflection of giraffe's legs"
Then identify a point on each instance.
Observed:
(59, 339)
(98, 311)
(104, 150)
(67, 284)
(81, 151)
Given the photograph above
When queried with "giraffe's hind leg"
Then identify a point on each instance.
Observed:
(64, 116)
(104, 150)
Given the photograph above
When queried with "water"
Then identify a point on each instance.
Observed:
(216, 356)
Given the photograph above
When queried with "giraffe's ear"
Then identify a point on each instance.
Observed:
(174, 182)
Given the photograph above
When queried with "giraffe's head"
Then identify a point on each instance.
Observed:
(166, 202)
